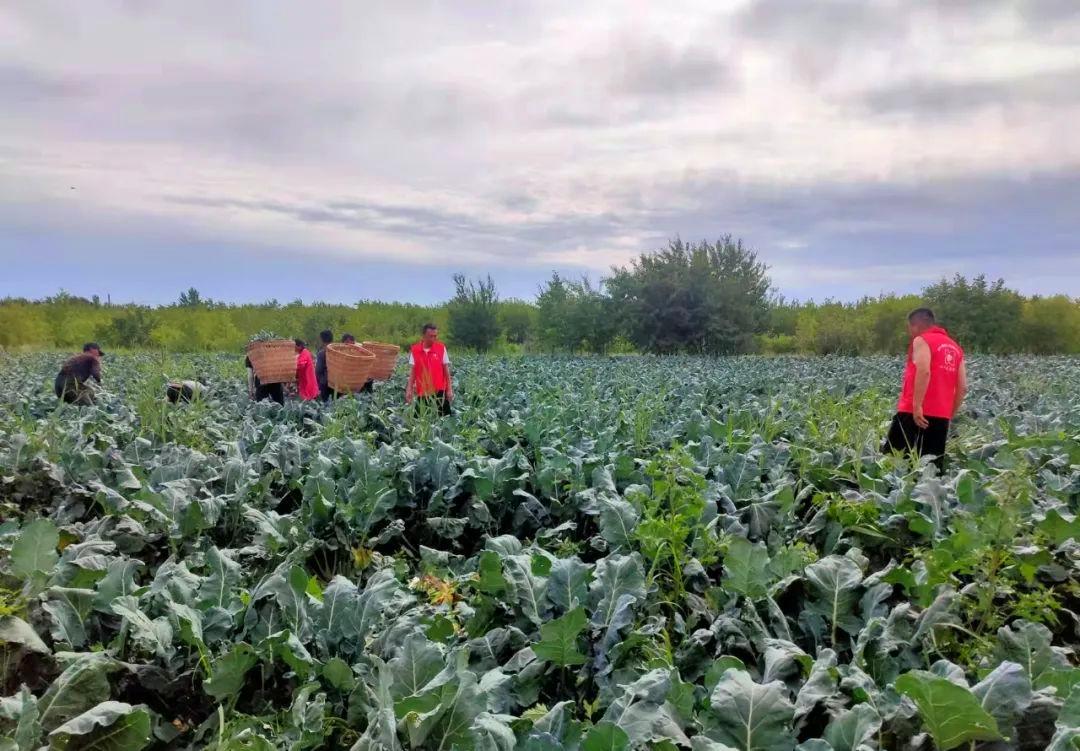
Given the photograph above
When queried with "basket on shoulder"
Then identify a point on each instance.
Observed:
(386, 357)
(273, 360)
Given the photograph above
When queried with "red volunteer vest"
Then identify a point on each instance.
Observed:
(945, 359)
(427, 369)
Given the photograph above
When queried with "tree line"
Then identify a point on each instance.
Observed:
(710, 298)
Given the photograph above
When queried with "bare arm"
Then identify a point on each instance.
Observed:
(961, 388)
(449, 383)
(920, 355)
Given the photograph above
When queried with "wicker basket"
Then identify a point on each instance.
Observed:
(386, 356)
(274, 361)
(348, 366)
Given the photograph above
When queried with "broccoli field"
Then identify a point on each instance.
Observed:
(591, 553)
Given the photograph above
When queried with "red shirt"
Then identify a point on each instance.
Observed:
(945, 360)
(428, 373)
(306, 383)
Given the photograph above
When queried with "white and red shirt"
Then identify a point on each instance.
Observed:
(428, 368)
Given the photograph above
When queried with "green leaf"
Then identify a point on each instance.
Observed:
(109, 726)
(568, 583)
(745, 567)
(952, 713)
(417, 663)
(619, 584)
(1005, 693)
(228, 672)
(751, 716)
(525, 588)
(606, 736)
(1028, 644)
(643, 711)
(154, 636)
(79, 687)
(834, 591)
(18, 632)
(852, 728)
(489, 573)
(558, 639)
(338, 674)
(34, 550)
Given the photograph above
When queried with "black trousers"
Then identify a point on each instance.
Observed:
(272, 391)
(904, 435)
(437, 401)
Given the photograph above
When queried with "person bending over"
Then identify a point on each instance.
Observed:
(71, 382)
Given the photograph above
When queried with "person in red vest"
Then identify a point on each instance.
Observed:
(429, 378)
(935, 381)
(307, 385)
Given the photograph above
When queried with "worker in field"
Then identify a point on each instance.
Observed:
(183, 391)
(350, 339)
(307, 385)
(935, 381)
(325, 337)
(429, 376)
(72, 381)
(258, 390)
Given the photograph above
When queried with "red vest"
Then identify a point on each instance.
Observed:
(945, 359)
(427, 370)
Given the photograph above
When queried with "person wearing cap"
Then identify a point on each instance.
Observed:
(325, 392)
(71, 382)
(429, 379)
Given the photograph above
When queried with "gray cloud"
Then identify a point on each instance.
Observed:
(935, 98)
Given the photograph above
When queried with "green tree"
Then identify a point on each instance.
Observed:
(190, 298)
(983, 316)
(131, 328)
(474, 313)
(517, 319)
(1051, 325)
(707, 298)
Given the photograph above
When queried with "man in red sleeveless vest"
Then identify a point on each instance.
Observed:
(935, 381)
(429, 378)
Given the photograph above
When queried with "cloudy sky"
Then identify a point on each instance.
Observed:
(347, 150)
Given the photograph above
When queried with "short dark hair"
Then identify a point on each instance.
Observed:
(326, 335)
(91, 345)
(348, 338)
(429, 327)
(300, 343)
(922, 315)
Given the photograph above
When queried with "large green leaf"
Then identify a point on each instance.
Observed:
(643, 711)
(526, 588)
(606, 736)
(79, 687)
(1005, 693)
(854, 729)
(568, 583)
(154, 636)
(109, 726)
(229, 671)
(558, 639)
(750, 716)
(952, 713)
(34, 550)
(746, 567)
(18, 633)
(834, 591)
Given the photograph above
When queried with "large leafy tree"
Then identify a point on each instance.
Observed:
(474, 313)
(702, 297)
(983, 316)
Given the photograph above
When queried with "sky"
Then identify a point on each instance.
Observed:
(341, 151)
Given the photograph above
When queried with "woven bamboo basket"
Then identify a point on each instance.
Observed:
(348, 366)
(274, 361)
(386, 356)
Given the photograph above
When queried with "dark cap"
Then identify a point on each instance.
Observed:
(92, 345)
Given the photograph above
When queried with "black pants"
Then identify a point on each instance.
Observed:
(436, 401)
(906, 436)
(272, 391)
(176, 392)
(71, 391)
